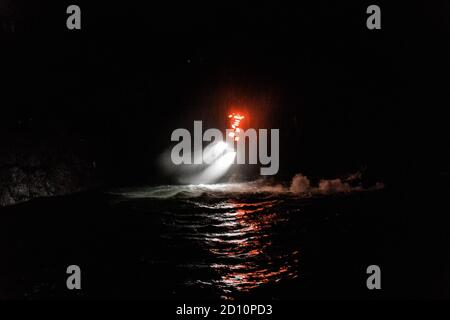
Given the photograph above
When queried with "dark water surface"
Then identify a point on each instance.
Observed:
(204, 242)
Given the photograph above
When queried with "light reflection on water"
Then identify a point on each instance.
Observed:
(242, 238)
(245, 240)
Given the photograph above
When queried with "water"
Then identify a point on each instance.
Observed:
(225, 241)
(242, 240)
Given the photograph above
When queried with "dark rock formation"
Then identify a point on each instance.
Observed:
(30, 169)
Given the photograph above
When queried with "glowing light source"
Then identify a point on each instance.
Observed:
(214, 151)
(235, 123)
(217, 169)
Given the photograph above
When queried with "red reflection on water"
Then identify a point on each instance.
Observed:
(248, 257)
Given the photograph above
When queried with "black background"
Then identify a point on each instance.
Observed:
(344, 97)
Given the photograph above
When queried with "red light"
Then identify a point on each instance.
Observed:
(235, 121)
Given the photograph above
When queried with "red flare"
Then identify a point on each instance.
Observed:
(235, 123)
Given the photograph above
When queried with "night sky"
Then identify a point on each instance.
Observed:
(344, 97)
